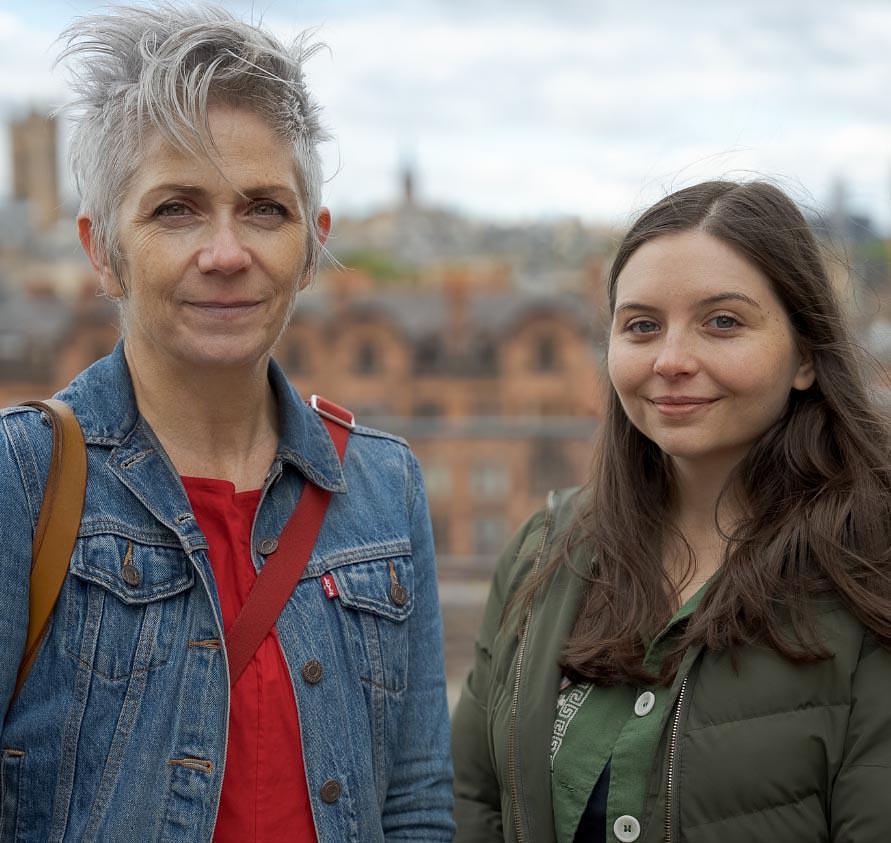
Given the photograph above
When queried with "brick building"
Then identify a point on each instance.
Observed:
(497, 390)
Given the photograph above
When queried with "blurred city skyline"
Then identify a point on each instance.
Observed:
(525, 110)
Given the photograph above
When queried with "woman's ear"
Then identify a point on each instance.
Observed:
(323, 224)
(323, 228)
(109, 282)
(805, 376)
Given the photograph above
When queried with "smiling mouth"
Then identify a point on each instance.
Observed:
(675, 407)
(224, 310)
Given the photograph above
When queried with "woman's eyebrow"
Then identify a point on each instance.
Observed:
(269, 190)
(731, 296)
(709, 300)
(173, 187)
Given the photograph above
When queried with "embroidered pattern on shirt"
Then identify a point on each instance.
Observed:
(568, 704)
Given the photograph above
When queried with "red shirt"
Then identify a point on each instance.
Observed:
(265, 797)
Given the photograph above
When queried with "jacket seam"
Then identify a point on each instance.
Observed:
(374, 433)
(776, 807)
(777, 713)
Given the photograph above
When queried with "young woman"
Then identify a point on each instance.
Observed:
(695, 646)
(196, 149)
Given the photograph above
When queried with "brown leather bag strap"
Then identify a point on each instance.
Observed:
(57, 525)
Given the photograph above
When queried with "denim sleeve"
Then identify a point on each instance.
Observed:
(418, 804)
(15, 565)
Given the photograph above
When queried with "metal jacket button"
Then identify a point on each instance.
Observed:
(130, 573)
(330, 791)
(645, 703)
(626, 829)
(267, 546)
(398, 592)
(312, 671)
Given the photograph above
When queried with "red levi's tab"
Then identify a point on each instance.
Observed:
(330, 587)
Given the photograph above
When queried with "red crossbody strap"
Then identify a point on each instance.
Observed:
(283, 569)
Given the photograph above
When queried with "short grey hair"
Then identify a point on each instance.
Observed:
(138, 68)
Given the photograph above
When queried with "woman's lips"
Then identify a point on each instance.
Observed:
(681, 406)
(223, 310)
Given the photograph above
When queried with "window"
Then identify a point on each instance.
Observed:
(441, 534)
(437, 479)
(489, 534)
(548, 467)
(429, 355)
(489, 480)
(546, 354)
(428, 409)
(486, 358)
(367, 362)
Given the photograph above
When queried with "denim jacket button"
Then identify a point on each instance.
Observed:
(330, 791)
(398, 594)
(268, 546)
(130, 573)
(312, 671)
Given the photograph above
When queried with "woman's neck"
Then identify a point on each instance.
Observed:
(211, 423)
(704, 515)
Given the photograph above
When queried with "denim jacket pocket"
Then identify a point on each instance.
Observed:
(125, 604)
(377, 597)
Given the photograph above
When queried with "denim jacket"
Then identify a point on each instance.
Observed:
(120, 731)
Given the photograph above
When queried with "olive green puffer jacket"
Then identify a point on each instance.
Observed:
(775, 753)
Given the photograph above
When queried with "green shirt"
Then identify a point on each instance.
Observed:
(625, 724)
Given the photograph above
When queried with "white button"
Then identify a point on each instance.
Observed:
(626, 829)
(645, 703)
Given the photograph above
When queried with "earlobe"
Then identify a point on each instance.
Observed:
(109, 282)
(805, 376)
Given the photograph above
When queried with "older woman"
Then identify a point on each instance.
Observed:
(195, 148)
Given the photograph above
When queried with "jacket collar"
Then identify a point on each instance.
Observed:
(102, 396)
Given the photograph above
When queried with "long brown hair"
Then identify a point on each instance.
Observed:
(817, 485)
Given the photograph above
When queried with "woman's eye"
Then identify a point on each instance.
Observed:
(644, 326)
(268, 209)
(724, 322)
(172, 209)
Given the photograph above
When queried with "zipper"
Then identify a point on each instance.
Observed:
(515, 699)
(672, 752)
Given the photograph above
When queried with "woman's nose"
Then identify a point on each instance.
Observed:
(224, 252)
(676, 357)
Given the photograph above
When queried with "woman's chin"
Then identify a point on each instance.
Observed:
(218, 353)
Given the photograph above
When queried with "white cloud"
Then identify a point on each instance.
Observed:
(575, 107)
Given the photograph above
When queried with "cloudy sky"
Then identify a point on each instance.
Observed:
(593, 108)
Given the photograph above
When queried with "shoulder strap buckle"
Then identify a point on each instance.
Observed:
(333, 412)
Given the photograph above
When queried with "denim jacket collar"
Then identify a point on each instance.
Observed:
(103, 398)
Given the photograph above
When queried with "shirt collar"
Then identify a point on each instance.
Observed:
(102, 397)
